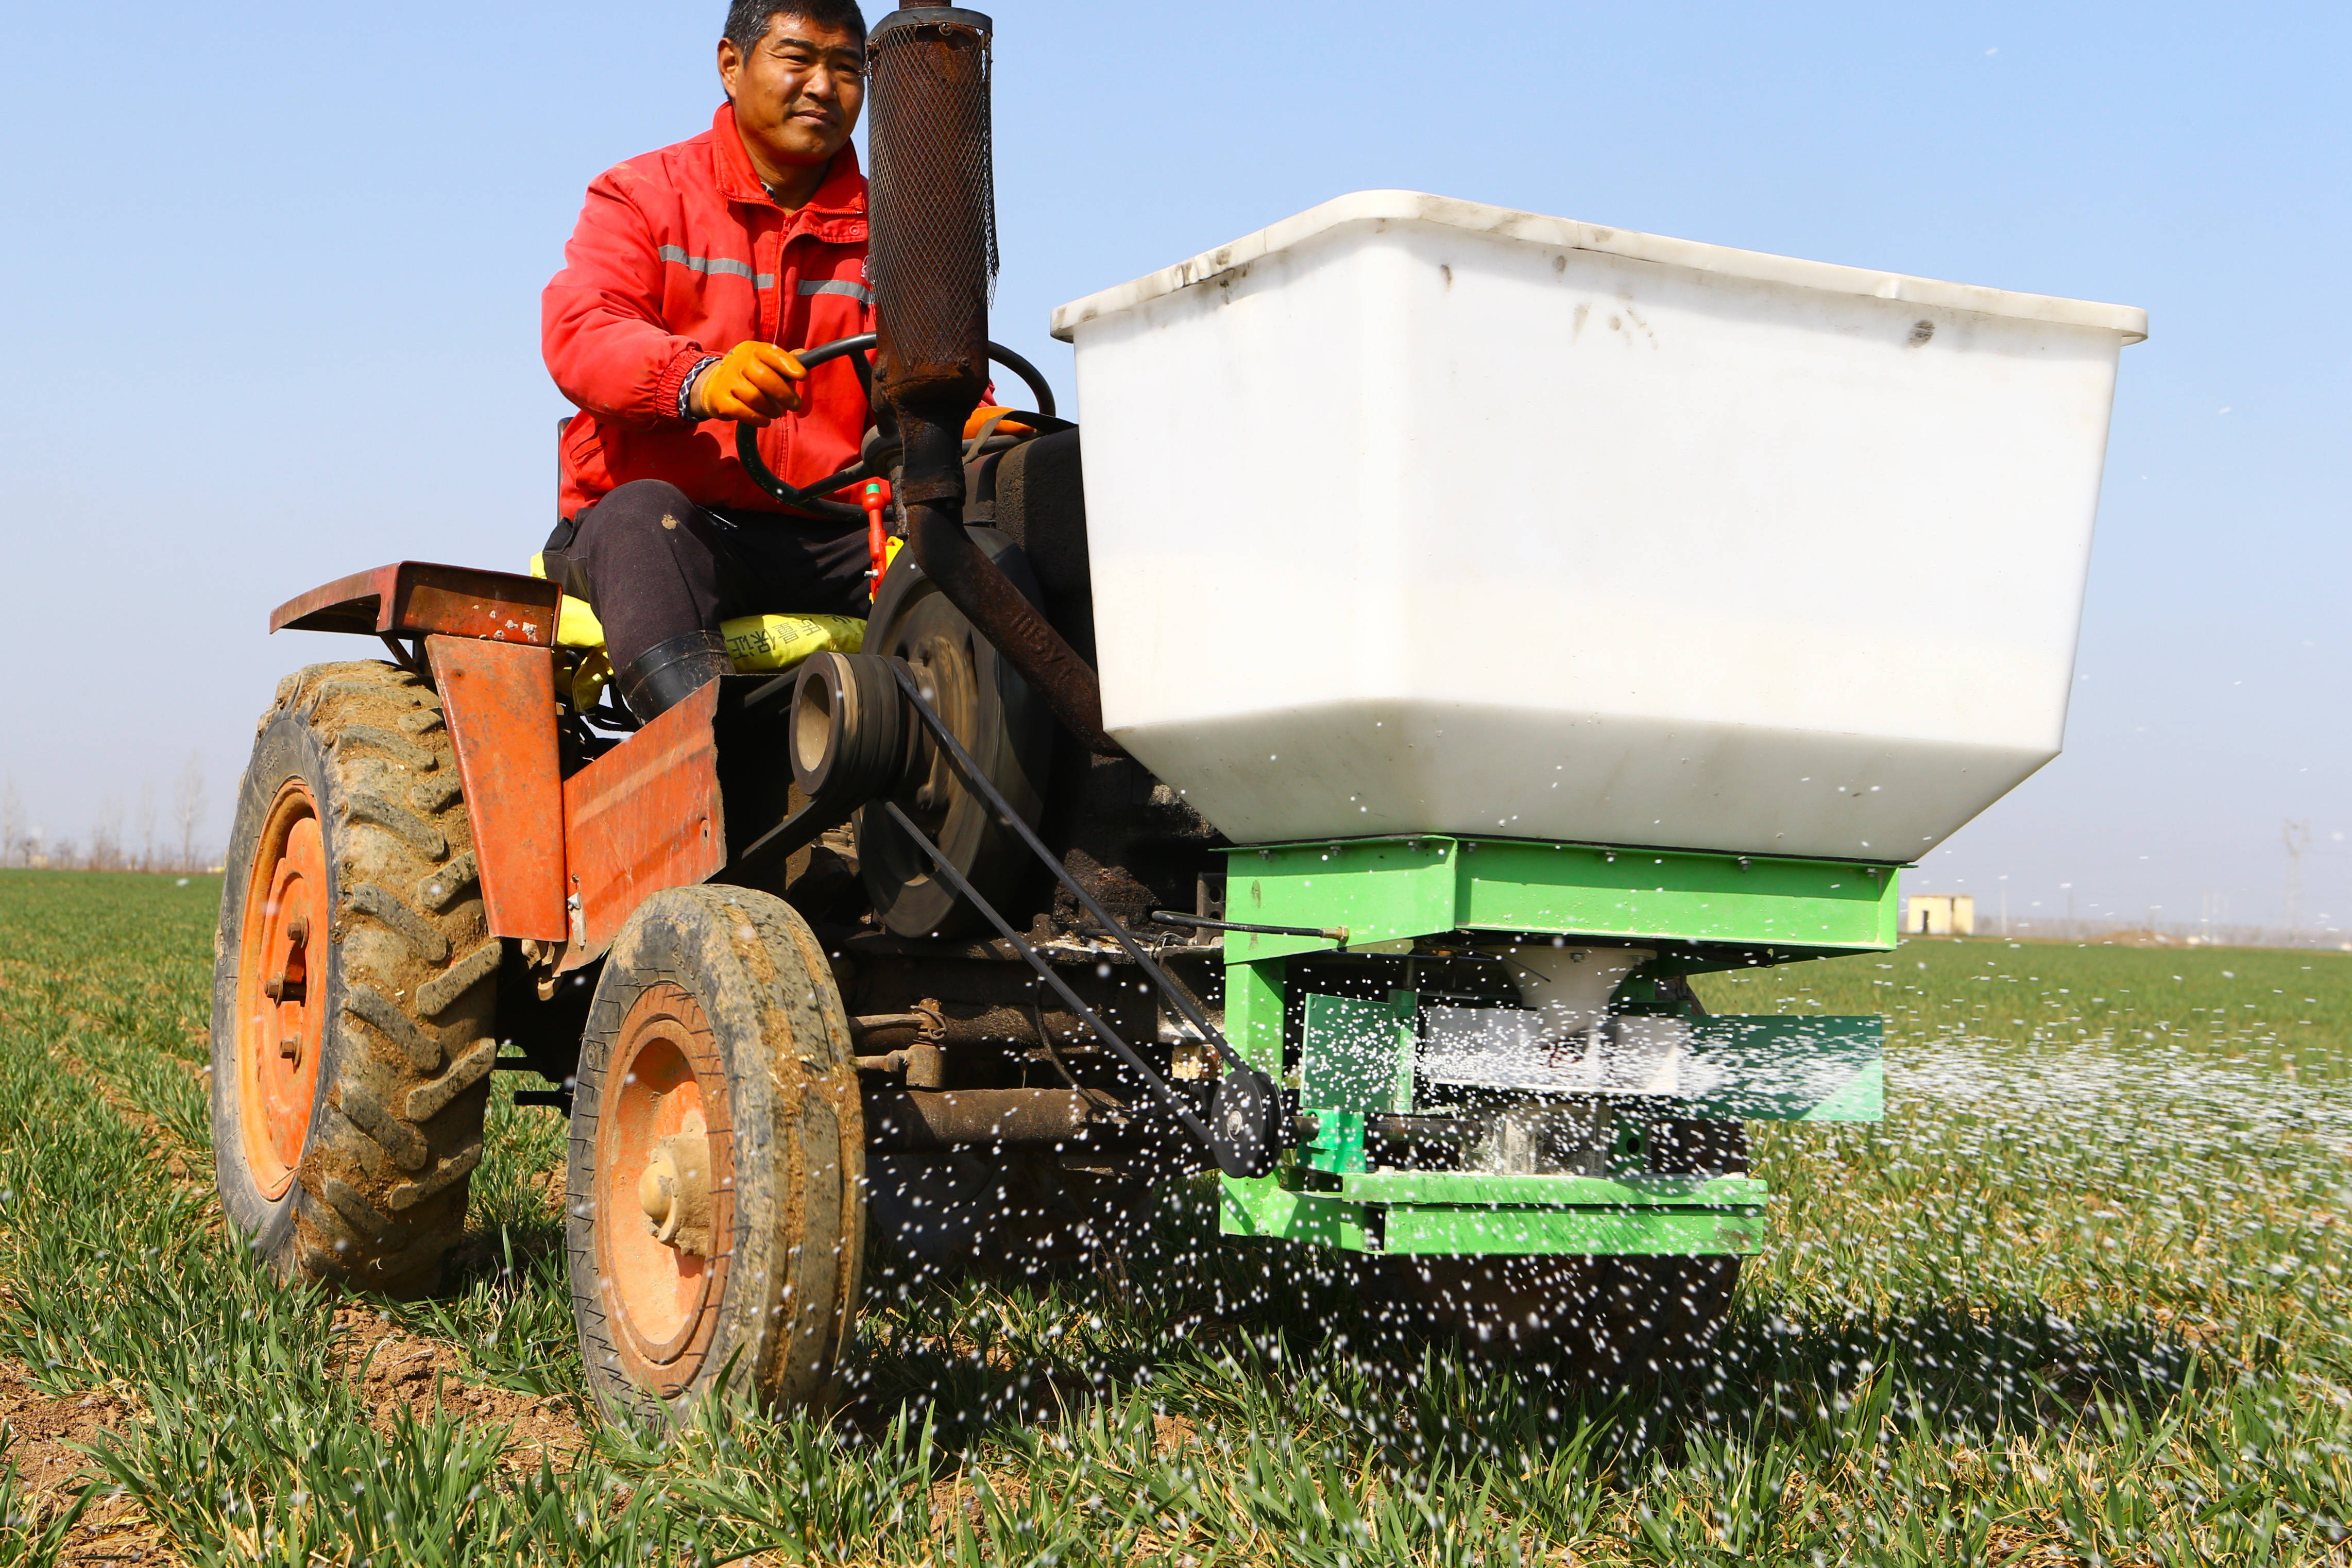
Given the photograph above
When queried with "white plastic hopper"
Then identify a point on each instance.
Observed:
(1417, 515)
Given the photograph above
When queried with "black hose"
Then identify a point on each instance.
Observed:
(1028, 372)
(1245, 1114)
(982, 786)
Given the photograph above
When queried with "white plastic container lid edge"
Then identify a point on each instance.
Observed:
(1416, 206)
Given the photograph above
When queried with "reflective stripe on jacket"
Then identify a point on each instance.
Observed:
(681, 254)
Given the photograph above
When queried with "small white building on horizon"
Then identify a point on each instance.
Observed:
(1939, 914)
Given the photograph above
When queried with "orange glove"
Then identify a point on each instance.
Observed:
(986, 412)
(753, 384)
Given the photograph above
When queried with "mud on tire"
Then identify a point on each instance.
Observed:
(352, 986)
(717, 1018)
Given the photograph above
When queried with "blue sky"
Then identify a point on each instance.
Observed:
(273, 275)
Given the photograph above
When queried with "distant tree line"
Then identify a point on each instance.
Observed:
(154, 839)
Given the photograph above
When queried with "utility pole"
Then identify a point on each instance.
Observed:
(2297, 835)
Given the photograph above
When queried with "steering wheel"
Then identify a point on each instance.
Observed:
(811, 500)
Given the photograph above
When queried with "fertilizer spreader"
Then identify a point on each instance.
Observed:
(1464, 627)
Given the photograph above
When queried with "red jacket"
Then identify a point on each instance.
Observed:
(679, 254)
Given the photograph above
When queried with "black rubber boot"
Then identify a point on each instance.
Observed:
(669, 672)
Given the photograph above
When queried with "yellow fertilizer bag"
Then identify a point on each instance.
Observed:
(780, 642)
(576, 625)
(756, 643)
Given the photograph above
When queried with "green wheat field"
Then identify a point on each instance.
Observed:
(2081, 1298)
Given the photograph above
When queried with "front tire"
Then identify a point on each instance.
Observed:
(715, 1216)
(352, 987)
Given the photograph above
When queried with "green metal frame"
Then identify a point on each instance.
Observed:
(1386, 892)
(1446, 1212)
(1700, 909)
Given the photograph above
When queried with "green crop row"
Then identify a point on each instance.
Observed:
(2082, 1297)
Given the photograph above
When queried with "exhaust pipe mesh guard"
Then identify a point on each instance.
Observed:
(934, 207)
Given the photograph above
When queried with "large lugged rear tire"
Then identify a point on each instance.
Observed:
(716, 1205)
(354, 981)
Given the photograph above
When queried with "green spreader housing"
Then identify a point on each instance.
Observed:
(1415, 923)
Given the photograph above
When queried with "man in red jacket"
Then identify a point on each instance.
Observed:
(690, 271)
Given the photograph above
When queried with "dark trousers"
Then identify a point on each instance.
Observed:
(656, 566)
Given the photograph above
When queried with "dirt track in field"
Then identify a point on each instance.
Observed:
(48, 1437)
(396, 1370)
(399, 1370)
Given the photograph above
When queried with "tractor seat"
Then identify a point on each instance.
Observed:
(762, 643)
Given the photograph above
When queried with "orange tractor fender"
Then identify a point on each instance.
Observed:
(561, 861)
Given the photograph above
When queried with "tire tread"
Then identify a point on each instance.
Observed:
(380, 1193)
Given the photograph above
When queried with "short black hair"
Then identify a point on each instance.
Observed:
(748, 21)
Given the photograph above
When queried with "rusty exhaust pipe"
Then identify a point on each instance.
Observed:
(933, 254)
(919, 1118)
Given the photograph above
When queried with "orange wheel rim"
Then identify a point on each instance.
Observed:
(664, 1079)
(281, 977)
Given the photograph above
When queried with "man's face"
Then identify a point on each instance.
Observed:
(797, 91)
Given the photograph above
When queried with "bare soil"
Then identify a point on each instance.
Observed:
(400, 1371)
(48, 1438)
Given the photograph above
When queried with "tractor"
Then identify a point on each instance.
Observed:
(1219, 800)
